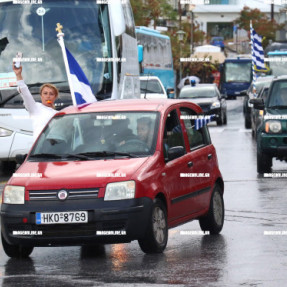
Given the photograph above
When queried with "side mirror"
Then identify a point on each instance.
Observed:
(117, 17)
(243, 93)
(223, 96)
(175, 152)
(20, 158)
(258, 104)
(140, 53)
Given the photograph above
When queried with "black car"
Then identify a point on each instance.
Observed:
(272, 130)
(257, 115)
(208, 97)
(260, 83)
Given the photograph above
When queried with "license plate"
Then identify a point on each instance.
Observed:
(62, 217)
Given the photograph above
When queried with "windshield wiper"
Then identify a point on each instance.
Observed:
(45, 155)
(29, 86)
(107, 154)
(78, 156)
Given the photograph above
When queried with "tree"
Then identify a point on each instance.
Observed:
(261, 23)
(148, 11)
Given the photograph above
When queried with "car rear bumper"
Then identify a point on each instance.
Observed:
(108, 222)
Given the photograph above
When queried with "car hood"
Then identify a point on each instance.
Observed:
(276, 112)
(203, 100)
(16, 119)
(75, 174)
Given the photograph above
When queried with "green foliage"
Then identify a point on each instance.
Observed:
(260, 22)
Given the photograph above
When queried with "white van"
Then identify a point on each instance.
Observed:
(152, 88)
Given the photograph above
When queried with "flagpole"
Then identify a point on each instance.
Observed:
(252, 56)
(60, 36)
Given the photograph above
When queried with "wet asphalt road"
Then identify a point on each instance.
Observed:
(241, 256)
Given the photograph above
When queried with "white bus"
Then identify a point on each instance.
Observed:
(101, 37)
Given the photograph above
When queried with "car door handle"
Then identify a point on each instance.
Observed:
(209, 156)
(190, 164)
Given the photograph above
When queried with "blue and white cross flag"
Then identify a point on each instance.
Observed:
(257, 52)
(80, 88)
(203, 121)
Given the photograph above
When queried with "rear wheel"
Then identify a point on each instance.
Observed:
(264, 162)
(16, 251)
(156, 236)
(213, 221)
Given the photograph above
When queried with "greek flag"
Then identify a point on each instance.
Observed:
(201, 122)
(257, 52)
(81, 86)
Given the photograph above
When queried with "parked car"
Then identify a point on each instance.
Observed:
(217, 41)
(257, 115)
(152, 88)
(113, 172)
(260, 83)
(272, 130)
(208, 97)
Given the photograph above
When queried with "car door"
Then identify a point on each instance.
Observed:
(201, 154)
(176, 187)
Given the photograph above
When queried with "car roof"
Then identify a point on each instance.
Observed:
(128, 105)
(187, 87)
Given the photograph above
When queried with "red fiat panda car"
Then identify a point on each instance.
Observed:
(113, 172)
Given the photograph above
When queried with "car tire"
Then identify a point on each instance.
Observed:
(156, 235)
(264, 163)
(16, 251)
(225, 119)
(214, 220)
(220, 120)
(247, 123)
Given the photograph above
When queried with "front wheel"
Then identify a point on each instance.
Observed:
(156, 236)
(213, 221)
(264, 163)
(16, 251)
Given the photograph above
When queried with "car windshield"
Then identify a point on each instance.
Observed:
(238, 72)
(30, 29)
(278, 95)
(151, 87)
(198, 92)
(277, 64)
(97, 135)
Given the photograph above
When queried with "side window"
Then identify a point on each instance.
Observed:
(173, 135)
(264, 95)
(196, 137)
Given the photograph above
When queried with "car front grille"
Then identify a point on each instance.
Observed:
(205, 107)
(35, 195)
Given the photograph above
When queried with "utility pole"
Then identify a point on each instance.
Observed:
(272, 12)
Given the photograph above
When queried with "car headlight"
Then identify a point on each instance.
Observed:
(273, 127)
(14, 194)
(120, 190)
(215, 105)
(5, 132)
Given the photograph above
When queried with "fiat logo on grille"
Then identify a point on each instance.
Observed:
(62, 194)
